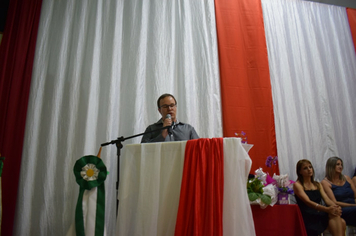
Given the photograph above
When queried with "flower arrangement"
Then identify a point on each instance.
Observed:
(287, 190)
(285, 187)
(255, 191)
(266, 190)
(271, 161)
(283, 184)
(282, 181)
(243, 136)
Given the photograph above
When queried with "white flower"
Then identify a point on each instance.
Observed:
(90, 172)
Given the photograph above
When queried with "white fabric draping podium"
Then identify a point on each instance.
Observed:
(150, 181)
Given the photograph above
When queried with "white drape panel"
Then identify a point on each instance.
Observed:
(313, 69)
(99, 68)
(150, 190)
(237, 218)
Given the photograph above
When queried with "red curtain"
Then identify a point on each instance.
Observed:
(201, 197)
(351, 14)
(16, 59)
(244, 76)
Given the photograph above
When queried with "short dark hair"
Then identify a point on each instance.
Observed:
(163, 96)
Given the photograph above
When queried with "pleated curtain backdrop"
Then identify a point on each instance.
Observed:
(351, 15)
(16, 60)
(244, 75)
(286, 70)
(313, 67)
(99, 68)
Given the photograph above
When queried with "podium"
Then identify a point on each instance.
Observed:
(150, 184)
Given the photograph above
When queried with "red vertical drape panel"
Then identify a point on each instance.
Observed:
(351, 14)
(244, 74)
(16, 59)
(201, 197)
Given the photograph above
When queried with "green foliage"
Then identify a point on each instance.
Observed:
(255, 191)
(266, 199)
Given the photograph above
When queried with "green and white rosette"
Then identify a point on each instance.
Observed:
(90, 172)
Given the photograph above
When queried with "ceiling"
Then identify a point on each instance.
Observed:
(343, 3)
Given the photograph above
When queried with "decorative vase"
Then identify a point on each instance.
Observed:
(283, 198)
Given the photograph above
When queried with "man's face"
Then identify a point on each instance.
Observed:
(168, 106)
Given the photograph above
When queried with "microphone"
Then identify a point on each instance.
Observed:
(168, 116)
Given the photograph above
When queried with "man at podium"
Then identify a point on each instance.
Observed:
(177, 131)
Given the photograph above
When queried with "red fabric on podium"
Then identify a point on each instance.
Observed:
(201, 197)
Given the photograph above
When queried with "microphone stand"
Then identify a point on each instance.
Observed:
(119, 146)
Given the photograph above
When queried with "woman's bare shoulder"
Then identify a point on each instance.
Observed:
(326, 182)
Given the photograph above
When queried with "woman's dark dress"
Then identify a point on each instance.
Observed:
(345, 194)
(315, 221)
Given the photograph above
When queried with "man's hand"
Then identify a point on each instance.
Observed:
(167, 122)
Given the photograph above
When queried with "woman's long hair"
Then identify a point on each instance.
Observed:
(330, 168)
(300, 163)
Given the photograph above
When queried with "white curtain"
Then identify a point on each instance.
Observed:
(313, 69)
(99, 68)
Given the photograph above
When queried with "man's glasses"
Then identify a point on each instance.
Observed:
(170, 106)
